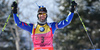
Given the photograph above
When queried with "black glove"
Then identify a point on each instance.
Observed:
(14, 7)
(73, 6)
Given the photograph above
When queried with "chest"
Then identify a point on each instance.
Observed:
(42, 29)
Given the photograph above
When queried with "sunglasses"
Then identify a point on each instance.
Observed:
(41, 13)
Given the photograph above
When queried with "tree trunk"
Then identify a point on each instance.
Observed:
(17, 39)
(17, 36)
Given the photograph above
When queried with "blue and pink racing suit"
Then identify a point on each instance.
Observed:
(42, 36)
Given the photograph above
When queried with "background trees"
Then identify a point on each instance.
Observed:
(74, 36)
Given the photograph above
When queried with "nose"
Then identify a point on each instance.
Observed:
(41, 15)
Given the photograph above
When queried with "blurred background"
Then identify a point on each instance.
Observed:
(72, 37)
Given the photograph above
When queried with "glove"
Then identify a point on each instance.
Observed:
(14, 7)
(73, 6)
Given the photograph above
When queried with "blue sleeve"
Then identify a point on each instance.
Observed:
(22, 25)
(53, 26)
(62, 23)
(65, 22)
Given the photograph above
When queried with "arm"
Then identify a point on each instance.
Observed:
(61, 24)
(65, 22)
(22, 25)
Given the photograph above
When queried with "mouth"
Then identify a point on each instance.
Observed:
(42, 19)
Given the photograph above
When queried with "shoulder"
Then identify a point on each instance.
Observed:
(52, 23)
(30, 24)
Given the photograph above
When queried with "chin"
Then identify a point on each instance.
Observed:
(42, 20)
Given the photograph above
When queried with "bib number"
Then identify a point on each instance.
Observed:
(42, 39)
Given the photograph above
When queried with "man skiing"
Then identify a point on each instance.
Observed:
(42, 32)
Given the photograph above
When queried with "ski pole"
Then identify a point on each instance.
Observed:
(5, 24)
(7, 20)
(85, 29)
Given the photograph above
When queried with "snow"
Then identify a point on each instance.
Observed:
(61, 8)
(28, 10)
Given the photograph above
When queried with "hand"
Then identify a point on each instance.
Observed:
(14, 7)
(73, 6)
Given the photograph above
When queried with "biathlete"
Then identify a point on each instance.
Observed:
(42, 32)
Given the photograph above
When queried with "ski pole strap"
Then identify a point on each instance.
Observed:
(6, 23)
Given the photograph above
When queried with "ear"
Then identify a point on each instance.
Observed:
(46, 15)
(37, 16)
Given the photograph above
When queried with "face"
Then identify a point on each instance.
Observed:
(42, 16)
